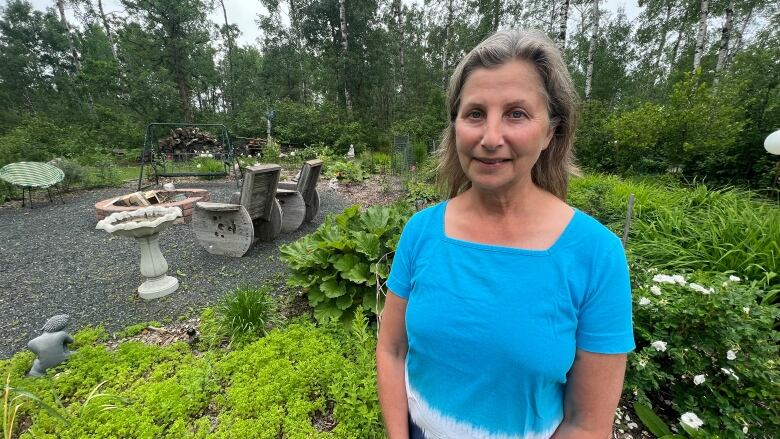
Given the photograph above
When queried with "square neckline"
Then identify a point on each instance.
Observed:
(503, 248)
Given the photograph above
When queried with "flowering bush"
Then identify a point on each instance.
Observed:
(706, 352)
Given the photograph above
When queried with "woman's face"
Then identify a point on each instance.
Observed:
(502, 125)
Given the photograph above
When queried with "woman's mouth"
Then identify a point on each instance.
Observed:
(491, 162)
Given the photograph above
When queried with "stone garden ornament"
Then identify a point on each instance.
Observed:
(145, 226)
(51, 347)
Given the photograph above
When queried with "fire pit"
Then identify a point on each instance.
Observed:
(184, 199)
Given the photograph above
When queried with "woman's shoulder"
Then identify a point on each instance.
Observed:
(588, 232)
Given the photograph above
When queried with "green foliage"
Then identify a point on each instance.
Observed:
(347, 172)
(712, 325)
(382, 162)
(339, 264)
(136, 329)
(420, 190)
(271, 152)
(651, 420)
(74, 172)
(207, 165)
(247, 313)
(689, 229)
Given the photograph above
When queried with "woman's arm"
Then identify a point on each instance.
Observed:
(390, 362)
(593, 390)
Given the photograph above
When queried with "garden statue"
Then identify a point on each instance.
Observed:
(51, 347)
(351, 152)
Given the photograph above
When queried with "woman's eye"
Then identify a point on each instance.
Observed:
(516, 114)
(475, 114)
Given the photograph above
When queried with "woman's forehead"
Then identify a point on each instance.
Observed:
(515, 80)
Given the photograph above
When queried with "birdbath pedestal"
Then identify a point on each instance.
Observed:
(145, 226)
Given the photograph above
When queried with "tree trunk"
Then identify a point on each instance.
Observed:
(445, 49)
(66, 25)
(399, 22)
(563, 21)
(701, 34)
(496, 14)
(74, 54)
(299, 46)
(592, 50)
(676, 48)
(229, 61)
(737, 46)
(107, 28)
(553, 15)
(725, 36)
(662, 42)
(345, 52)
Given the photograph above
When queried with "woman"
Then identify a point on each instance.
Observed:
(509, 312)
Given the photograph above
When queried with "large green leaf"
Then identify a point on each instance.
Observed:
(315, 296)
(375, 219)
(366, 243)
(332, 288)
(651, 420)
(344, 302)
(326, 312)
(343, 219)
(358, 273)
(301, 279)
(344, 263)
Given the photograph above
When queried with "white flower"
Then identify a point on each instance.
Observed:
(701, 289)
(729, 372)
(659, 345)
(292, 153)
(644, 301)
(632, 425)
(731, 355)
(655, 289)
(746, 309)
(198, 166)
(734, 278)
(691, 420)
(642, 363)
(666, 279)
(745, 429)
(698, 379)
(726, 283)
(210, 155)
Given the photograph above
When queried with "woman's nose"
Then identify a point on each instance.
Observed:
(492, 135)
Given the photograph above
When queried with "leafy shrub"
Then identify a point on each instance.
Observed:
(705, 345)
(318, 151)
(271, 152)
(348, 172)
(420, 190)
(247, 313)
(382, 162)
(74, 172)
(338, 265)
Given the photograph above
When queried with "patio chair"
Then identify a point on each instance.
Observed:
(31, 175)
(306, 187)
(232, 229)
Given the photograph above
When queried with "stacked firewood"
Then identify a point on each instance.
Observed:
(250, 145)
(189, 140)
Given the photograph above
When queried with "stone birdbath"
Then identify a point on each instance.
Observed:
(145, 226)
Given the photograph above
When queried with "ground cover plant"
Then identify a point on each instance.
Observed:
(302, 381)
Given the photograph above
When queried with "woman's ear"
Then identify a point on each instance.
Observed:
(549, 137)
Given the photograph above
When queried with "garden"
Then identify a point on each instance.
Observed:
(289, 352)
(676, 101)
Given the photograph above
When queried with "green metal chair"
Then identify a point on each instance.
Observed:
(33, 175)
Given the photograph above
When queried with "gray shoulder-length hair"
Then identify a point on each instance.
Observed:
(556, 162)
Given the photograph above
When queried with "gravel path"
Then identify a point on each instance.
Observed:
(53, 261)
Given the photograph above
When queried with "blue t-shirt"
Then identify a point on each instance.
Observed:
(493, 330)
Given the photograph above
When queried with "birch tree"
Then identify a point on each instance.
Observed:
(592, 49)
(563, 20)
(725, 36)
(345, 52)
(701, 33)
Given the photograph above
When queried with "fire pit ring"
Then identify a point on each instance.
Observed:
(184, 199)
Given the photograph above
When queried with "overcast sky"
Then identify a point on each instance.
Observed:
(244, 13)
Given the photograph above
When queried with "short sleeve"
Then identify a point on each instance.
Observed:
(604, 321)
(400, 280)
